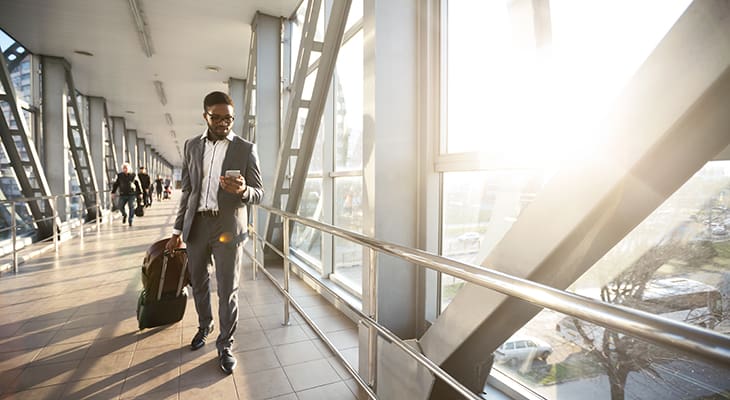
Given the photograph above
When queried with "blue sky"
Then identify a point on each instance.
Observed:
(5, 40)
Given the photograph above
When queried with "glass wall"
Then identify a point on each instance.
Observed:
(21, 64)
(333, 190)
(675, 264)
(530, 102)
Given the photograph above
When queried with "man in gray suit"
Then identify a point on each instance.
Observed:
(220, 175)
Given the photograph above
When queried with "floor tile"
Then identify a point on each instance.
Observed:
(80, 338)
(295, 353)
(262, 385)
(310, 374)
(333, 391)
(223, 388)
(105, 387)
(287, 334)
(62, 352)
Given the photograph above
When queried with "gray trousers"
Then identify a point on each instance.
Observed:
(209, 239)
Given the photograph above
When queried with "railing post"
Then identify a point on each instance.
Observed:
(98, 212)
(254, 233)
(81, 215)
(14, 227)
(372, 313)
(285, 222)
(55, 222)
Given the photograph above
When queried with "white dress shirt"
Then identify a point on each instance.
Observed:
(213, 154)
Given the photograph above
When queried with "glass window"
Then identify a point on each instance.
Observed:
(676, 264)
(304, 238)
(534, 103)
(296, 35)
(349, 105)
(348, 215)
(355, 15)
(478, 209)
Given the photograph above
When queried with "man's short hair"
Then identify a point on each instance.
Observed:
(214, 98)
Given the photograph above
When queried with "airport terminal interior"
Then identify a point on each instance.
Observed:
(502, 199)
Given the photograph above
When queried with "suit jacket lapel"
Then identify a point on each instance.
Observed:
(198, 154)
(228, 158)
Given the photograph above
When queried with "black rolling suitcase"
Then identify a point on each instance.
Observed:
(164, 277)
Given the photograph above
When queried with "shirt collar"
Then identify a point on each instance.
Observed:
(230, 135)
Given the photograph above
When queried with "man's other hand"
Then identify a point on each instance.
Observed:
(174, 243)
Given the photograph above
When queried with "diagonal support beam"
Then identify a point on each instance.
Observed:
(290, 179)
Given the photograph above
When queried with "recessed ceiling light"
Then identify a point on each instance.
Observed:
(84, 53)
(212, 68)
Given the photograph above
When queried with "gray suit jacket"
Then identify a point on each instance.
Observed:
(241, 155)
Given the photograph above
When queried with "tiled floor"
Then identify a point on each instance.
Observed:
(68, 331)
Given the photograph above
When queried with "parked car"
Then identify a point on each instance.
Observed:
(519, 349)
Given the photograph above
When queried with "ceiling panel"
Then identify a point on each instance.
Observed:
(186, 36)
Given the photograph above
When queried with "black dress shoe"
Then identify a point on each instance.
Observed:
(227, 361)
(199, 338)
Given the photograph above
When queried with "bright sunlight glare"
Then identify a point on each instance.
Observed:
(541, 107)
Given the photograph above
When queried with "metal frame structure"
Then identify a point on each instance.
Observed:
(28, 169)
(110, 153)
(249, 117)
(290, 181)
(78, 142)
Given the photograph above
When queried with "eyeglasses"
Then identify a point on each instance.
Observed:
(218, 118)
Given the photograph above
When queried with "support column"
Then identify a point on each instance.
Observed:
(237, 89)
(120, 140)
(131, 155)
(268, 117)
(391, 177)
(55, 125)
(96, 140)
(268, 120)
(148, 159)
(141, 154)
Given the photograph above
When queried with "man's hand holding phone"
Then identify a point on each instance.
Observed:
(233, 182)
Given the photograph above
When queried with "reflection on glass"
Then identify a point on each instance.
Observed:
(675, 264)
(348, 105)
(348, 215)
(478, 209)
(304, 238)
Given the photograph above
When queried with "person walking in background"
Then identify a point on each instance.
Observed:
(144, 181)
(129, 190)
(220, 176)
(158, 187)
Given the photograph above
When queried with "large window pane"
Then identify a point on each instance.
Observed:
(531, 103)
(478, 209)
(349, 105)
(355, 15)
(304, 238)
(676, 264)
(348, 215)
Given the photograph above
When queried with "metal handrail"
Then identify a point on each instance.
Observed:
(56, 231)
(370, 321)
(690, 339)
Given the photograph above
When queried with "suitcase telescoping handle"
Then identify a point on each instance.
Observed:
(165, 255)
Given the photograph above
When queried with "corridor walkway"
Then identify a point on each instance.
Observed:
(68, 331)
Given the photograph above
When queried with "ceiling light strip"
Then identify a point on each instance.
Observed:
(161, 92)
(142, 27)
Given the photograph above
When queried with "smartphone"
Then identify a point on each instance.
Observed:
(233, 173)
